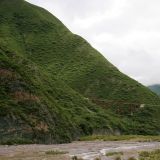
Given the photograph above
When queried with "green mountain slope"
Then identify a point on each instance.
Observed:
(55, 87)
(155, 88)
(40, 108)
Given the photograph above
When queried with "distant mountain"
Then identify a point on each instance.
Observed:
(155, 88)
(55, 87)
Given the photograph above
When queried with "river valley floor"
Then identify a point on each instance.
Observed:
(88, 150)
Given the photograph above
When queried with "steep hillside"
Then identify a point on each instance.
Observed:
(55, 87)
(38, 108)
(155, 88)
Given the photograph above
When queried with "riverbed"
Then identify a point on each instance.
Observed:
(85, 150)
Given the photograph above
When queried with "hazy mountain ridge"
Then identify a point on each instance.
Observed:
(155, 88)
(54, 84)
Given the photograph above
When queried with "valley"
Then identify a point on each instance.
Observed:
(56, 88)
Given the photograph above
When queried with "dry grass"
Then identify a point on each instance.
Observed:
(135, 138)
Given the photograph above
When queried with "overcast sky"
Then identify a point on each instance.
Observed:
(126, 32)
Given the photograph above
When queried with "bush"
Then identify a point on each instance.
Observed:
(14, 141)
(76, 158)
(114, 153)
(118, 158)
(131, 158)
(55, 152)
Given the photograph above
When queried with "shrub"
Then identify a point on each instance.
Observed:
(118, 158)
(55, 152)
(131, 158)
(13, 141)
(76, 158)
(114, 153)
(144, 154)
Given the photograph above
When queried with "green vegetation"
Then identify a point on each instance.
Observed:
(145, 155)
(114, 153)
(118, 158)
(153, 155)
(55, 152)
(137, 138)
(13, 141)
(76, 158)
(155, 88)
(132, 158)
(55, 87)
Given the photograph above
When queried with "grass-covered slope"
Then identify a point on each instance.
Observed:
(51, 78)
(36, 107)
(48, 43)
(155, 88)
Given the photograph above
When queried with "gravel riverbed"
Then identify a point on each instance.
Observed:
(85, 150)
